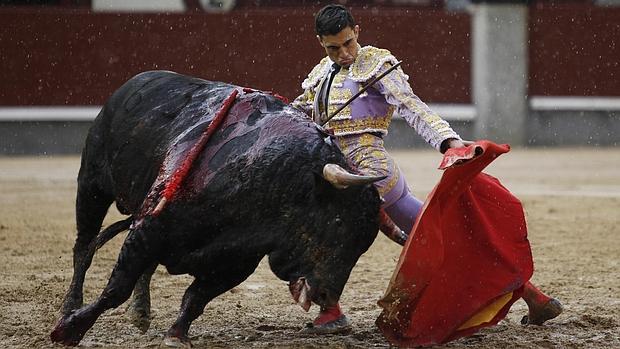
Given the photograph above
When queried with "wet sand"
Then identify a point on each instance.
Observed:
(572, 201)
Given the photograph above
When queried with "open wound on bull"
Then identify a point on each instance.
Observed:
(300, 291)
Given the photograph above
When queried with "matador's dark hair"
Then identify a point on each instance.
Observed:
(331, 19)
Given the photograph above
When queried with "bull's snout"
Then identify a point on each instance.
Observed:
(304, 295)
(300, 290)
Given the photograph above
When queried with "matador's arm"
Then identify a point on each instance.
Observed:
(428, 124)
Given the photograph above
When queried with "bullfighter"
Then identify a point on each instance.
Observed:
(360, 127)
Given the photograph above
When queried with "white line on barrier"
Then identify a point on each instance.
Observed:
(49, 113)
(574, 103)
(448, 111)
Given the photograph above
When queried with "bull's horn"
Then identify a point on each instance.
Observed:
(341, 178)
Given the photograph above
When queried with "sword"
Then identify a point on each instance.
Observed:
(368, 85)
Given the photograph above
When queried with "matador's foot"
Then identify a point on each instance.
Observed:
(342, 325)
(540, 313)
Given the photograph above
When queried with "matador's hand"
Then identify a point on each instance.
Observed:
(458, 143)
(454, 143)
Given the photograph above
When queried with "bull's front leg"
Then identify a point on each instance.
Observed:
(137, 254)
(201, 292)
(194, 301)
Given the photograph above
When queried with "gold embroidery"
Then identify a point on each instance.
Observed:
(434, 121)
(368, 154)
(344, 114)
(310, 99)
(366, 140)
(392, 182)
(377, 154)
(340, 77)
(304, 102)
(339, 95)
(351, 126)
(368, 62)
(316, 74)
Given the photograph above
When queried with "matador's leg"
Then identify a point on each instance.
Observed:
(405, 210)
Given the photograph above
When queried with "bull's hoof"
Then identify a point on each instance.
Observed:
(538, 315)
(65, 333)
(342, 325)
(139, 318)
(175, 342)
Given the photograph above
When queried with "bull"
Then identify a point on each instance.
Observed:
(268, 182)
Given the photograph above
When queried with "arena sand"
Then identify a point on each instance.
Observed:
(572, 201)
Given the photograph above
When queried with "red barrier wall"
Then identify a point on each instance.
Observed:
(574, 50)
(55, 56)
(75, 57)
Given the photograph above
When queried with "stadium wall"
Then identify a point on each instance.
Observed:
(59, 65)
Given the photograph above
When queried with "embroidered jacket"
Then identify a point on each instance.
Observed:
(372, 111)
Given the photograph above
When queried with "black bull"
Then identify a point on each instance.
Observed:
(258, 188)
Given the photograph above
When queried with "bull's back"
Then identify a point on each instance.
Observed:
(137, 126)
(153, 108)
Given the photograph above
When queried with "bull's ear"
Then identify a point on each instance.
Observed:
(342, 179)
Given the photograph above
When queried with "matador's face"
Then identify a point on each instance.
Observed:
(341, 48)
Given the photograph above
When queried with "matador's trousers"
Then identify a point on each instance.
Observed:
(367, 152)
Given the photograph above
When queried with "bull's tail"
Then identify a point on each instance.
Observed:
(108, 233)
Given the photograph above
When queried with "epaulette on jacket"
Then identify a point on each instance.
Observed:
(317, 73)
(368, 63)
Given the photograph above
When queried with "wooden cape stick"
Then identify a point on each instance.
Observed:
(368, 85)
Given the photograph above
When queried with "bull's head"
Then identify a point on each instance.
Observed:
(335, 237)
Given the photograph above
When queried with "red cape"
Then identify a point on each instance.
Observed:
(466, 260)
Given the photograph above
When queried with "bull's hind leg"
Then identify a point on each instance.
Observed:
(139, 251)
(139, 308)
(201, 292)
(91, 207)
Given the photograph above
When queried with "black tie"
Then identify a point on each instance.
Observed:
(335, 70)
